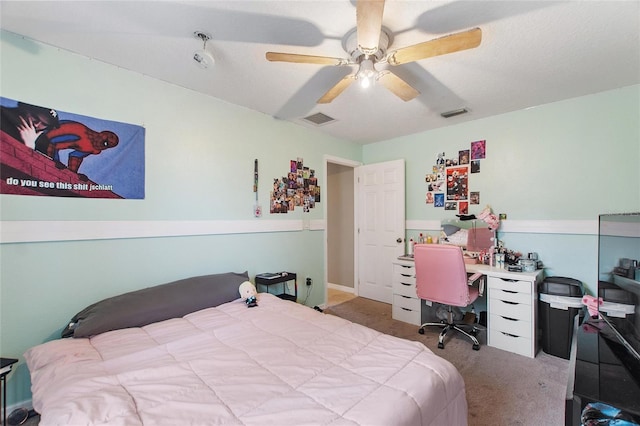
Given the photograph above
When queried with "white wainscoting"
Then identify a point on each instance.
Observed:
(41, 231)
(575, 227)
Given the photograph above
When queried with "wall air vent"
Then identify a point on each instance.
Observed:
(454, 112)
(319, 119)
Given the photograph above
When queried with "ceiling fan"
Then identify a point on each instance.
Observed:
(367, 46)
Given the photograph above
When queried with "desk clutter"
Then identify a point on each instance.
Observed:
(480, 246)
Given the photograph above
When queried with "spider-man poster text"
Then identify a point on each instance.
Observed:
(56, 153)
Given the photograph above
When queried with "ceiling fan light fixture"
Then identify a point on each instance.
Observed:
(367, 73)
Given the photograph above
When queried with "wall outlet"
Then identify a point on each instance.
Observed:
(309, 281)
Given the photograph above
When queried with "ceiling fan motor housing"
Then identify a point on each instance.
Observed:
(350, 45)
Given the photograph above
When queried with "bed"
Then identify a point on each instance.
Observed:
(279, 363)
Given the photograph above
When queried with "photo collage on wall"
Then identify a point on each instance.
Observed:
(298, 189)
(448, 182)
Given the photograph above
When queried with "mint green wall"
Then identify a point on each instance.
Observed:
(563, 161)
(199, 150)
(199, 166)
(566, 161)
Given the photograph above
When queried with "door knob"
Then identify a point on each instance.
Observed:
(399, 240)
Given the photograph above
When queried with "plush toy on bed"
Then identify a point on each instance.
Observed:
(248, 293)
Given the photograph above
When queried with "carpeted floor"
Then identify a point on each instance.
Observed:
(502, 388)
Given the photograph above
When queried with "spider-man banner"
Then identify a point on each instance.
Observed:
(56, 153)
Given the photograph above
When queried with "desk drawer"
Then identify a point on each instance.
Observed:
(507, 342)
(405, 289)
(510, 296)
(514, 327)
(512, 310)
(406, 274)
(412, 303)
(511, 285)
(406, 309)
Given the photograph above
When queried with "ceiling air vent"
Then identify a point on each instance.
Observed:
(454, 112)
(319, 119)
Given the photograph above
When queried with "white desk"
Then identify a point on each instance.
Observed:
(512, 304)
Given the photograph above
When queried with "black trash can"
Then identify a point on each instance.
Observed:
(560, 301)
(616, 302)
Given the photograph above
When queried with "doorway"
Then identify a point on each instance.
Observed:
(340, 233)
(365, 226)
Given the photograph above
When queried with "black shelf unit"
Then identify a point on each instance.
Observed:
(269, 279)
(5, 368)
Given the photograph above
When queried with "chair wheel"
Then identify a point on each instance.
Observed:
(421, 330)
(440, 345)
(476, 347)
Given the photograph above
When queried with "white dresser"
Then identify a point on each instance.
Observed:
(406, 305)
(512, 304)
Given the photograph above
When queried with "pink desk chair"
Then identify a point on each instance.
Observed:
(441, 277)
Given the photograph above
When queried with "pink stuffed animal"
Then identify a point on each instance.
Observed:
(489, 218)
(592, 304)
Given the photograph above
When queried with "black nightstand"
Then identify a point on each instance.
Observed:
(268, 279)
(5, 368)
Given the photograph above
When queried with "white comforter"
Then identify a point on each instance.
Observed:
(279, 363)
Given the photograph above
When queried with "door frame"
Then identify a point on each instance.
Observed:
(354, 165)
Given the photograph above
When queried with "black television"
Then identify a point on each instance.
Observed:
(619, 285)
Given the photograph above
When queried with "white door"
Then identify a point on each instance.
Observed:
(381, 227)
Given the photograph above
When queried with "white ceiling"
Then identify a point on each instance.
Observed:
(532, 53)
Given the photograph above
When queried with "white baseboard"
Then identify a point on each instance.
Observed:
(41, 231)
(341, 288)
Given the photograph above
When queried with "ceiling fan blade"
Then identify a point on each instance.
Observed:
(440, 46)
(398, 86)
(369, 24)
(337, 89)
(303, 59)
